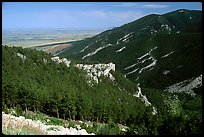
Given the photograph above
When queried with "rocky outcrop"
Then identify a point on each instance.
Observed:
(9, 121)
(21, 56)
(141, 96)
(154, 112)
(95, 71)
(63, 60)
(186, 86)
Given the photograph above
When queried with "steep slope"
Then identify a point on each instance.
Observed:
(156, 51)
(34, 80)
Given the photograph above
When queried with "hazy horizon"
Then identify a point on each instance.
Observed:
(36, 37)
(36, 23)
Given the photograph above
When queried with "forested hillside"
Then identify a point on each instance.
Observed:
(156, 51)
(32, 81)
(162, 55)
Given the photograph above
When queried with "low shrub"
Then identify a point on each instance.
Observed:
(56, 121)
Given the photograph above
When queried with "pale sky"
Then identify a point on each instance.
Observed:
(79, 15)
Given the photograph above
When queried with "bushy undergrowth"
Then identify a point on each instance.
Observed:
(21, 132)
(90, 127)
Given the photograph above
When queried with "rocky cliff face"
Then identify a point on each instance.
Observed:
(63, 60)
(186, 86)
(95, 71)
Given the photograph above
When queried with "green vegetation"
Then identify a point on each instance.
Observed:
(63, 94)
(21, 132)
(184, 39)
(91, 127)
(39, 85)
(59, 91)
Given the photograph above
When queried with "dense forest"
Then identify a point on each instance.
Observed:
(38, 84)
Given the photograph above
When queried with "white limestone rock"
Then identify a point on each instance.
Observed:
(154, 111)
(21, 56)
(139, 94)
(95, 71)
(166, 72)
(63, 60)
(45, 60)
(186, 86)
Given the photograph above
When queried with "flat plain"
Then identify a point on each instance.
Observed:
(27, 38)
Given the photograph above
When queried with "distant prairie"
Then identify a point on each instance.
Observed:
(27, 38)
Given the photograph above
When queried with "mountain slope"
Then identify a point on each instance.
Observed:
(35, 81)
(160, 57)
(156, 50)
(58, 90)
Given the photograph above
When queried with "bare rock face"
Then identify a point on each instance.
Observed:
(186, 86)
(141, 96)
(95, 71)
(21, 56)
(63, 60)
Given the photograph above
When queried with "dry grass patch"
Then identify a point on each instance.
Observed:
(19, 126)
